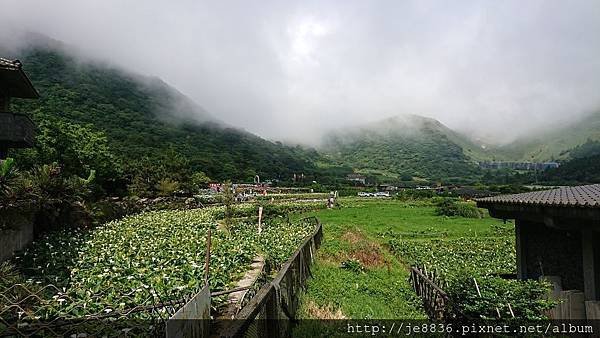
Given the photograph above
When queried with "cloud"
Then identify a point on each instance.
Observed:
(293, 70)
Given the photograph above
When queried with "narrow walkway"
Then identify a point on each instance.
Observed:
(235, 298)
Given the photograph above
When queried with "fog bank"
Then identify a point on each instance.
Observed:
(292, 70)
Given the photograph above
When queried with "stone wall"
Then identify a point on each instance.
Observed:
(553, 252)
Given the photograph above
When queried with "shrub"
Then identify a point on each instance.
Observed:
(526, 298)
(453, 207)
(199, 180)
(7, 174)
(409, 194)
(167, 187)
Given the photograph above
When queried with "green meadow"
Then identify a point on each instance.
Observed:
(357, 273)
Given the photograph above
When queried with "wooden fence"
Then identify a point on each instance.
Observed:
(271, 312)
(427, 285)
(193, 318)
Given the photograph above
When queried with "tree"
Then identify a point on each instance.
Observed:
(78, 149)
(199, 180)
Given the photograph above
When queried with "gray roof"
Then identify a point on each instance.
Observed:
(10, 65)
(580, 196)
(13, 80)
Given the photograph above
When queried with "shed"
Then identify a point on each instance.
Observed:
(557, 236)
(16, 129)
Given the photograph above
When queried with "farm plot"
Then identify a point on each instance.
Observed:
(474, 268)
(462, 250)
(161, 253)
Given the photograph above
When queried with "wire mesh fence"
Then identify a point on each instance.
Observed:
(33, 310)
(39, 308)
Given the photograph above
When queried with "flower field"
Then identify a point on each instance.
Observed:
(159, 253)
(303, 196)
(464, 261)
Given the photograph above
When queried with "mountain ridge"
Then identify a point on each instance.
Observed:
(143, 117)
(402, 147)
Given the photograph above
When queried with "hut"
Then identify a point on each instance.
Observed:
(16, 130)
(558, 239)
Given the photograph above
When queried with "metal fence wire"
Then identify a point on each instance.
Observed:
(33, 310)
(40, 310)
(272, 311)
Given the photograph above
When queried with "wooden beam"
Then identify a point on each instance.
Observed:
(589, 265)
(521, 246)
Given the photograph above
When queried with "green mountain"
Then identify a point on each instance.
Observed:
(554, 144)
(145, 118)
(404, 147)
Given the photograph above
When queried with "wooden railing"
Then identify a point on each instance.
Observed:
(427, 286)
(273, 309)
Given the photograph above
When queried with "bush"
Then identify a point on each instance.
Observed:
(167, 187)
(410, 194)
(199, 180)
(526, 298)
(7, 174)
(453, 207)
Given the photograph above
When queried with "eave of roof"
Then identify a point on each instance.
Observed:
(14, 81)
(585, 196)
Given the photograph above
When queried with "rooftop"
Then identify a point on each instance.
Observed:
(587, 196)
(10, 65)
(13, 80)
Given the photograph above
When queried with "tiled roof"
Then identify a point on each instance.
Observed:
(14, 82)
(580, 196)
(10, 65)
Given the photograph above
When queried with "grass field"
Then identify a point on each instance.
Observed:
(356, 275)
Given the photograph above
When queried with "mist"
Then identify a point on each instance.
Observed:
(291, 71)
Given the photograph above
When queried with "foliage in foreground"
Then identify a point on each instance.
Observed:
(158, 253)
(463, 261)
(526, 299)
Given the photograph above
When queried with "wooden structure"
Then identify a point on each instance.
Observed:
(427, 286)
(16, 130)
(557, 239)
(273, 308)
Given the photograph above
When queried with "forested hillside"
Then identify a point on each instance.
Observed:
(576, 171)
(553, 144)
(118, 123)
(135, 131)
(405, 147)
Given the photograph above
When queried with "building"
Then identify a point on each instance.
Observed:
(519, 165)
(16, 130)
(357, 178)
(558, 239)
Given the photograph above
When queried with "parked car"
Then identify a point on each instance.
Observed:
(381, 194)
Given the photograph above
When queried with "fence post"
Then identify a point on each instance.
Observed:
(260, 212)
(207, 262)
(272, 314)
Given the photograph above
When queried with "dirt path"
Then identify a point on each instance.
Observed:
(235, 298)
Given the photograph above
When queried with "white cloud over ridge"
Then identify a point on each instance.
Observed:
(292, 70)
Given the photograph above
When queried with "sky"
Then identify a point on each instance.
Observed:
(292, 70)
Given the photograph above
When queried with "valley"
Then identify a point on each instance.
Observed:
(128, 208)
